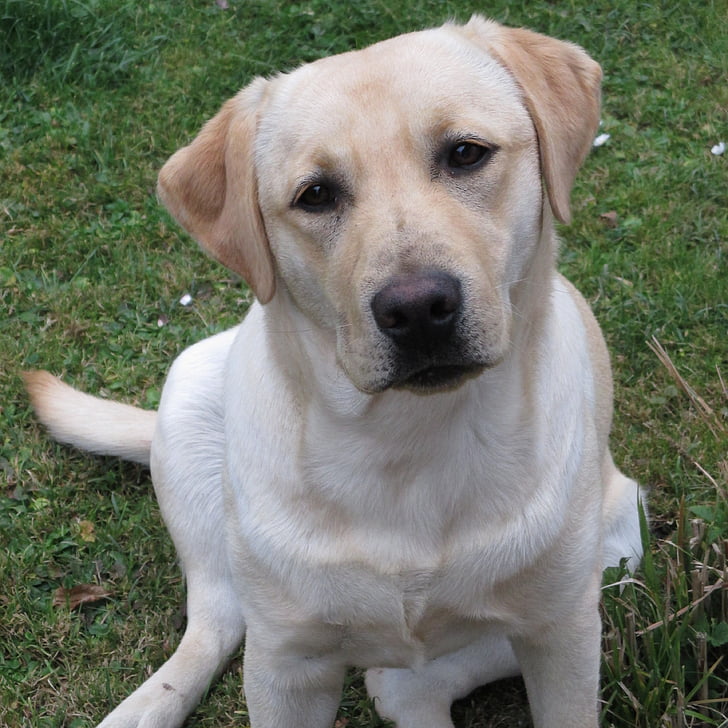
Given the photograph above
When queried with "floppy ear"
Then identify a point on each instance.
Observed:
(210, 188)
(561, 89)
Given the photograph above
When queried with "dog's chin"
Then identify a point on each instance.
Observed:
(434, 379)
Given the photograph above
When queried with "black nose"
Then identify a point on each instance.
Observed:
(418, 310)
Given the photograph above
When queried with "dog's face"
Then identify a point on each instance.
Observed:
(400, 189)
(395, 192)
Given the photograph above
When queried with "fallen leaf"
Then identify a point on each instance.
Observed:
(87, 531)
(78, 595)
(610, 218)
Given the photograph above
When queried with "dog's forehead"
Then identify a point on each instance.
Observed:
(407, 83)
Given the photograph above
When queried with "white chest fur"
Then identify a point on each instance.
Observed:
(381, 533)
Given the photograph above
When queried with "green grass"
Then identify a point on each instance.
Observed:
(95, 95)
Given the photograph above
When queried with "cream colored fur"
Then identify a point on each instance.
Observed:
(399, 460)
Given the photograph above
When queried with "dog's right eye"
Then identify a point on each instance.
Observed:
(315, 198)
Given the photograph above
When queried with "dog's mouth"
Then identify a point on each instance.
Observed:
(439, 378)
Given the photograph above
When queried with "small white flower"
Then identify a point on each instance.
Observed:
(186, 300)
(162, 321)
(601, 140)
(718, 149)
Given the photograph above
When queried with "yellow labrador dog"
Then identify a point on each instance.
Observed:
(399, 459)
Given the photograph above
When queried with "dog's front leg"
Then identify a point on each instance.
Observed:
(560, 667)
(289, 692)
(215, 630)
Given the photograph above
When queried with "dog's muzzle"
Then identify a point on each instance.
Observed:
(421, 315)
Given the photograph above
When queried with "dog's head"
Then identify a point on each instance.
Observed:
(395, 192)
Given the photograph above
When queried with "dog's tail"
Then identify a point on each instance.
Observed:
(97, 425)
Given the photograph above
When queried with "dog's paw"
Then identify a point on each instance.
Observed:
(401, 696)
(156, 705)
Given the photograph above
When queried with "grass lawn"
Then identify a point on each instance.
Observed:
(95, 95)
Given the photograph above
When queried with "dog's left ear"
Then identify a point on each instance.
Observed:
(561, 89)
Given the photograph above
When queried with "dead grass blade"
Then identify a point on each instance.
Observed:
(706, 412)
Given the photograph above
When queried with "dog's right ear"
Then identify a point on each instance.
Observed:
(210, 188)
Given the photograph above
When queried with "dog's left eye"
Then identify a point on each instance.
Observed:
(467, 155)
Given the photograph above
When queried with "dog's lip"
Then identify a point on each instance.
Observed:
(439, 377)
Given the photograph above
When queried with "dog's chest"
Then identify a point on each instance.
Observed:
(431, 620)
(385, 548)
(366, 616)
(403, 620)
